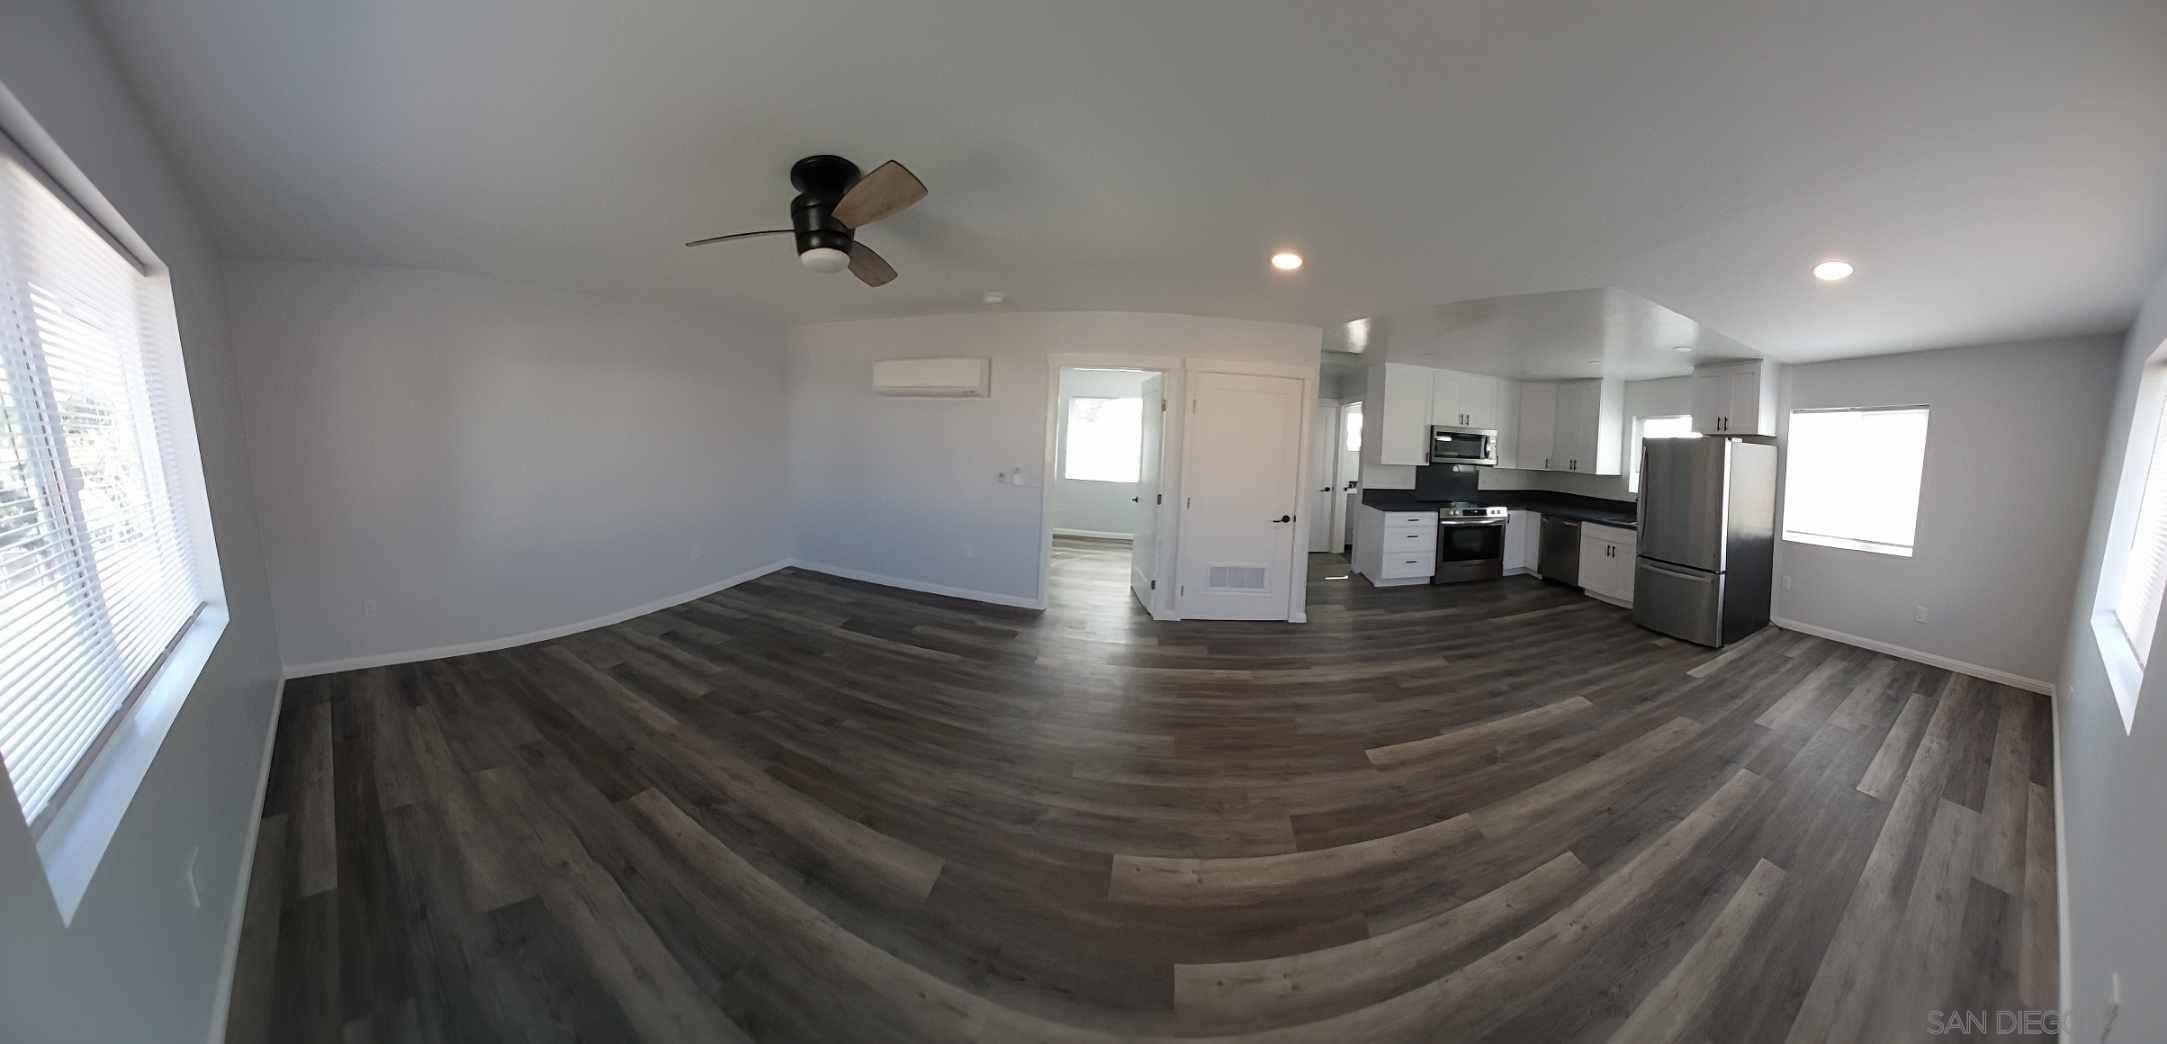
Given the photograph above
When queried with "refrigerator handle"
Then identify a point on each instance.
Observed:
(1699, 578)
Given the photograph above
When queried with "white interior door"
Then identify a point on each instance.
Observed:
(1144, 550)
(1348, 477)
(1321, 429)
(1240, 495)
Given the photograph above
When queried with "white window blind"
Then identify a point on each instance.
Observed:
(1851, 478)
(97, 575)
(2144, 568)
(1105, 439)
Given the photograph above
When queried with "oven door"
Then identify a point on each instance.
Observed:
(1469, 549)
(1463, 446)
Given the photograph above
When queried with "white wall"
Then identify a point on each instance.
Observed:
(1092, 507)
(485, 460)
(139, 962)
(2012, 440)
(1656, 398)
(2112, 819)
(906, 488)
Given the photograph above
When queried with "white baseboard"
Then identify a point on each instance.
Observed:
(1093, 534)
(920, 585)
(222, 992)
(1930, 659)
(357, 663)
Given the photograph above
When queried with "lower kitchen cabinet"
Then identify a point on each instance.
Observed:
(1395, 548)
(1606, 562)
(1523, 536)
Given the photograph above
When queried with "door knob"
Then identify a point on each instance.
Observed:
(1324, 489)
(1136, 500)
(1284, 518)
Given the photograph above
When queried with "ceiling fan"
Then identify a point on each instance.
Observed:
(834, 201)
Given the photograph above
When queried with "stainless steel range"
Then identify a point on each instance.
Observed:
(1470, 542)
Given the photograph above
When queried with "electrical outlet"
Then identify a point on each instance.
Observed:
(1786, 581)
(1918, 613)
(368, 607)
(188, 879)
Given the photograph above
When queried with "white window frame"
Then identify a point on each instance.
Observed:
(2124, 665)
(1790, 535)
(78, 828)
(1632, 467)
(1068, 433)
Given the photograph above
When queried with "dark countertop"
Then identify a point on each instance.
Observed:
(1621, 513)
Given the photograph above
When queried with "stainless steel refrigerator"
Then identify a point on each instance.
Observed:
(1707, 538)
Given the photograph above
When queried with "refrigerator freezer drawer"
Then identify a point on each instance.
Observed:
(1682, 603)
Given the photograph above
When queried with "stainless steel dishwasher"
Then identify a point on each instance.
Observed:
(1559, 555)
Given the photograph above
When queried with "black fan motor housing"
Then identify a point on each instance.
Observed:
(821, 182)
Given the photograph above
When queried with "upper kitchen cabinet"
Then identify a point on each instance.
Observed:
(1396, 414)
(1538, 425)
(1468, 400)
(1735, 399)
(1588, 435)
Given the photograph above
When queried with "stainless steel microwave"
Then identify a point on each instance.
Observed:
(1449, 445)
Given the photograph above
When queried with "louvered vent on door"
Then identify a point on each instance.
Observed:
(1236, 578)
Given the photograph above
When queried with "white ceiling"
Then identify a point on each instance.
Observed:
(1567, 333)
(1996, 168)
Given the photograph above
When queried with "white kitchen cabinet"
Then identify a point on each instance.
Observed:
(1396, 414)
(1394, 548)
(1467, 400)
(1523, 534)
(1587, 436)
(1735, 399)
(1538, 425)
(1606, 562)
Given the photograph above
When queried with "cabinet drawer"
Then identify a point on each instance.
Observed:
(1401, 565)
(1399, 541)
(1410, 520)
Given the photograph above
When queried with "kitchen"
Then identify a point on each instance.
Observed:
(1469, 477)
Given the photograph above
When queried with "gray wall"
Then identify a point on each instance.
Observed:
(2011, 443)
(905, 488)
(139, 962)
(1093, 507)
(2113, 823)
(485, 460)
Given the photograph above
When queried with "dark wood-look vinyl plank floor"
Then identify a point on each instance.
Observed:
(808, 808)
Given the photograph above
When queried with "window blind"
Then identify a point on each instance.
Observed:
(1851, 477)
(2144, 569)
(97, 576)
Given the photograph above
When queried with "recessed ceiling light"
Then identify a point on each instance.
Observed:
(1683, 348)
(995, 297)
(1832, 271)
(1286, 261)
(1595, 362)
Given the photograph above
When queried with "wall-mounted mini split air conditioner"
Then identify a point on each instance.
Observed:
(934, 378)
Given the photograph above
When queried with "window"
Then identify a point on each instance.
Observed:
(1852, 478)
(1105, 439)
(1671, 426)
(1354, 427)
(100, 570)
(2144, 565)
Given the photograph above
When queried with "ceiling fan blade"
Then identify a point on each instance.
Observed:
(870, 268)
(889, 188)
(740, 235)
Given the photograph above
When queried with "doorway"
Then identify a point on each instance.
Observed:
(1106, 466)
(1347, 475)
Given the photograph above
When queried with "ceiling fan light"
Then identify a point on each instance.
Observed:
(824, 259)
